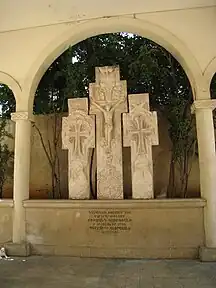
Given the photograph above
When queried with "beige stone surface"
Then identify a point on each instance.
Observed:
(140, 133)
(18, 249)
(78, 136)
(207, 254)
(207, 165)
(108, 100)
(157, 21)
(22, 152)
(136, 228)
(6, 211)
(78, 10)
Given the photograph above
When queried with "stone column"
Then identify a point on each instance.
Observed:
(207, 164)
(21, 173)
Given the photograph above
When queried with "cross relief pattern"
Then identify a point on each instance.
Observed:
(108, 100)
(140, 133)
(107, 97)
(103, 118)
(78, 136)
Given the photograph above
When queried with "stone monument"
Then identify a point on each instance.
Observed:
(140, 133)
(78, 136)
(108, 100)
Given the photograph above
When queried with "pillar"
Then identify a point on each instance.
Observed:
(21, 173)
(207, 164)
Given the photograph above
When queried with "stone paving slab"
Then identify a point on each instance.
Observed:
(63, 272)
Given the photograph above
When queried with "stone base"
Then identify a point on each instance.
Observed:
(125, 253)
(207, 254)
(17, 249)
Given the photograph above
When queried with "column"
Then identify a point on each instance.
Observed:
(21, 172)
(207, 165)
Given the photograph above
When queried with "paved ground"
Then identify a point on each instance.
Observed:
(62, 272)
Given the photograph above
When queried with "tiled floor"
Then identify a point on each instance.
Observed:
(61, 272)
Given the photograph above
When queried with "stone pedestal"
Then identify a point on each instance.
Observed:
(108, 100)
(207, 254)
(18, 249)
(21, 172)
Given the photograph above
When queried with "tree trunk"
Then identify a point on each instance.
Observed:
(1, 191)
(171, 184)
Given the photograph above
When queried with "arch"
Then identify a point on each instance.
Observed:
(12, 84)
(95, 27)
(210, 72)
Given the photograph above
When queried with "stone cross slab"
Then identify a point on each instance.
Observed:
(140, 130)
(78, 136)
(108, 100)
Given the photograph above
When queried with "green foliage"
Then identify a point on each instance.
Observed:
(146, 66)
(7, 101)
(6, 155)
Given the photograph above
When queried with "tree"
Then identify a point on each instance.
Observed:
(51, 146)
(6, 156)
(7, 101)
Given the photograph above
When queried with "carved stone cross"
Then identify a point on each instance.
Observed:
(108, 100)
(140, 133)
(78, 136)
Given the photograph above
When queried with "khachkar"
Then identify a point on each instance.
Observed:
(78, 136)
(108, 100)
(140, 133)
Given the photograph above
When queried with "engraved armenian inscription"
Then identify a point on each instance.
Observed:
(109, 220)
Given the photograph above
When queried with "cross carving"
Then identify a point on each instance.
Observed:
(78, 136)
(140, 133)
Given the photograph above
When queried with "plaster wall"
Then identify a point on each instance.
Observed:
(53, 11)
(36, 33)
(6, 210)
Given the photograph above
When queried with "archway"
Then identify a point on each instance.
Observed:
(112, 25)
(213, 86)
(139, 87)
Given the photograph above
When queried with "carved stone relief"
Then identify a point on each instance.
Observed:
(78, 136)
(22, 115)
(108, 99)
(140, 133)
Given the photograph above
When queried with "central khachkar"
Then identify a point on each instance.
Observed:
(99, 124)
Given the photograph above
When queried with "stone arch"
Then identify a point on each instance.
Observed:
(209, 72)
(12, 84)
(91, 28)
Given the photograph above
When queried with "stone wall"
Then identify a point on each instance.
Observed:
(102, 228)
(6, 209)
(40, 178)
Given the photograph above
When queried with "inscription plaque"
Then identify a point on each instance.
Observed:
(106, 221)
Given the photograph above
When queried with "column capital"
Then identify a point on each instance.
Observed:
(203, 104)
(22, 115)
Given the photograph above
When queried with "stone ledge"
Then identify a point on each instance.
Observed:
(17, 249)
(124, 204)
(121, 253)
(6, 203)
(207, 254)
